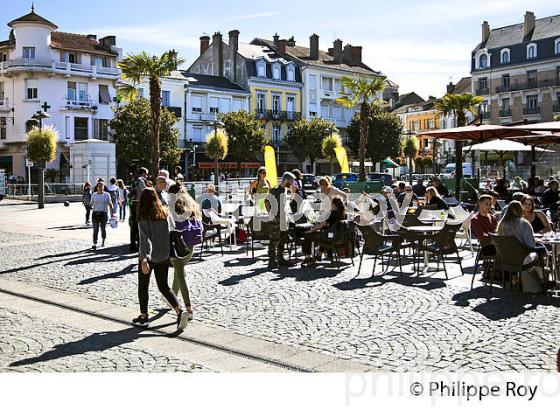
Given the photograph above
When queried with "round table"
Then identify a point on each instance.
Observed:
(426, 230)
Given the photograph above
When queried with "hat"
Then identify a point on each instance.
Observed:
(287, 175)
(387, 190)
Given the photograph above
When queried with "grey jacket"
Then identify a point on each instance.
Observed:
(154, 240)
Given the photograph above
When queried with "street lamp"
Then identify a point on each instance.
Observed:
(187, 154)
(39, 116)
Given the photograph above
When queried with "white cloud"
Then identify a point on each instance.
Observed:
(254, 16)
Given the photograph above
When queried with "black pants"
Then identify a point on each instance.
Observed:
(160, 272)
(99, 220)
(88, 212)
(133, 223)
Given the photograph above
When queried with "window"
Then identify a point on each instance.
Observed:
(532, 78)
(431, 125)
(77, 91)
(313, 97)
(531, 51)
(483, 83)
(69, 58)
(3, 57)
(82, 92)
(196, 102)
(214, 105)
(261, 68)
(166, 98)
(336, 112)
(227, 69)
(337, 85)
(291, 72)
(327, 83)
(556, 46)
(261, 102)
(276, 105)
(483, 61)
(325, 111)
(532, 103)
(313, 110)
(312, 82)
(505, 82)
(505, 56)
(31, 89)
(100, 62)
(276, 134)
(29, 52)
(505, 104)
(197, 134)
(416, 125)
(67, 128)
(237, 104)
(101, 129)
(104, 97)
(1, 93)
(3, 128)
(225, 104)
(276, 71)
(290, 103)
(80, 128)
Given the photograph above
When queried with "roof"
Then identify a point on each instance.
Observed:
(463, 85)
(546, 27)
(419, 107)
(78, 42)
(33, 18)
(407, 100)
(325, 59)
(212, 82)
(255, 52)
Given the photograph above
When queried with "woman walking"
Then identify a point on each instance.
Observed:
(113, 190)
(185, 211)
(100, 202)
(86, 200)
(123, 199)
(154, 225)
(260, 187)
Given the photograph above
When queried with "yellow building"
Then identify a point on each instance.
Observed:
(423, 121)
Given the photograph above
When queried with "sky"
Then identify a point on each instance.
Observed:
(421, 45)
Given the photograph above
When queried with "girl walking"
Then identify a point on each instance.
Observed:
(123, 199)
(154, 226)
(86, 200)
(100, 202)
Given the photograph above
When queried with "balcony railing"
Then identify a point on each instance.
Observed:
(556, 108)
(209, 116)
(77, 104)
(505, 112)
(17, 64)
(260, 114)
(482, 91)
(531, 110)
(527, 85)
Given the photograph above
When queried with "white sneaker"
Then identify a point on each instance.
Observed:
(182, 320)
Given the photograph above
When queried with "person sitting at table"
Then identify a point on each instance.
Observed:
(495, 204)
(518, 184)
(539, 187)
(501, 189)
(440, 187)
(331, 191)
(407, 193)
(483, 223)
(550, 198)
(433, 198)
(212, 201)
(338, 213)
(419, 189)
(536, 218)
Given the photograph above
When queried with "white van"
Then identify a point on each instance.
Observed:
(450, 169)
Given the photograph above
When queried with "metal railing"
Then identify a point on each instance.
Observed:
(27, 63)
(79, 104)
(505, 112)
(51, 189)
(531, 110)
(529, 85)
(483, 91)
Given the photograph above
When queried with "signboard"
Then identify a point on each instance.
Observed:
(2, 183)
(28, 163)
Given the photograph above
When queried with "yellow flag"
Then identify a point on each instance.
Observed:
(270, 165)
(342, 159)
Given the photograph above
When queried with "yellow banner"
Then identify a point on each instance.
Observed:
(270, 164)
(342, 159)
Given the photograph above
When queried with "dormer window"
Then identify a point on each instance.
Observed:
(261, 68)
(483, 61)
(557, 46)
(531, 51)
(290, 71)
(505, 56)
(276, 71)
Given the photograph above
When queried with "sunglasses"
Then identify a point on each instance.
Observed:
(262, 172)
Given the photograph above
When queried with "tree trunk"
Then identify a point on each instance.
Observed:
(533, 162)
(363, 141)
(217, 176)
(461, 122)
(155, 106)
(41, 186)
(410, 170)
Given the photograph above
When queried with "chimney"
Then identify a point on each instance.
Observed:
(450, 87)
(282, 46)
(431, 97)
(108, 41)
(347, 54)
(233, 46)
(485, 31)
(337, 51)
(330, 51)
(217, 55)
(204, 43)
(314, 47)
(276, 37)
(92, 36)
(529, 24)
(357, 55)
(292, 42)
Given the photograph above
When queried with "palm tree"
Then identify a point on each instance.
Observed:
(362, 92)
(410, 150)
(137, 68)
(458, 105)
(330, 143)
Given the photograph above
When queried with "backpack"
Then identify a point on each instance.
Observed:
(134, 193)
(191, 230)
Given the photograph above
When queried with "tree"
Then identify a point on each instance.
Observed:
(362, 92)
(136, 68)
(305, 138)
(245, 135)
(427, 162)
(458, 105)
(41, 149)
(328, 148)
(132, 141)
(410, 150)
(217, 148)
(384, 135)
(418, 165)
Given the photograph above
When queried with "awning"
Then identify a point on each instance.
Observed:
(229, 165)
(502, 146)
(389, 163)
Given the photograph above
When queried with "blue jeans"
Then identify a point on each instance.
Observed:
(122, 211)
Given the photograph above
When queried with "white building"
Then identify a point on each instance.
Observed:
(70, 76)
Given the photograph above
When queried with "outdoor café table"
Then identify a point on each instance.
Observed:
(426, 231)
(554, 242)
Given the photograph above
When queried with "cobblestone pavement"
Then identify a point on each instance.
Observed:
(30, 343)
(393, 324)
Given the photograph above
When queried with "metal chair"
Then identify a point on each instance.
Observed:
(376, 244)
(209, 233)
(443, 244)
(487, 255)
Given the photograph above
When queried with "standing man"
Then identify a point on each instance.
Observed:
(138, 185)
(279, 223)
(161, 190)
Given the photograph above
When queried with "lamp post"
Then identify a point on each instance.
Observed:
(216, 124)
(39, 116)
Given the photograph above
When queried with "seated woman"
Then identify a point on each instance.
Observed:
(331, 191)
(433, 198)
(536, 218)
(502, 190)
(338, 213)
(211, 201)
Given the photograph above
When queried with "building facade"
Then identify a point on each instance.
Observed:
(517, 70)
(71, 77)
